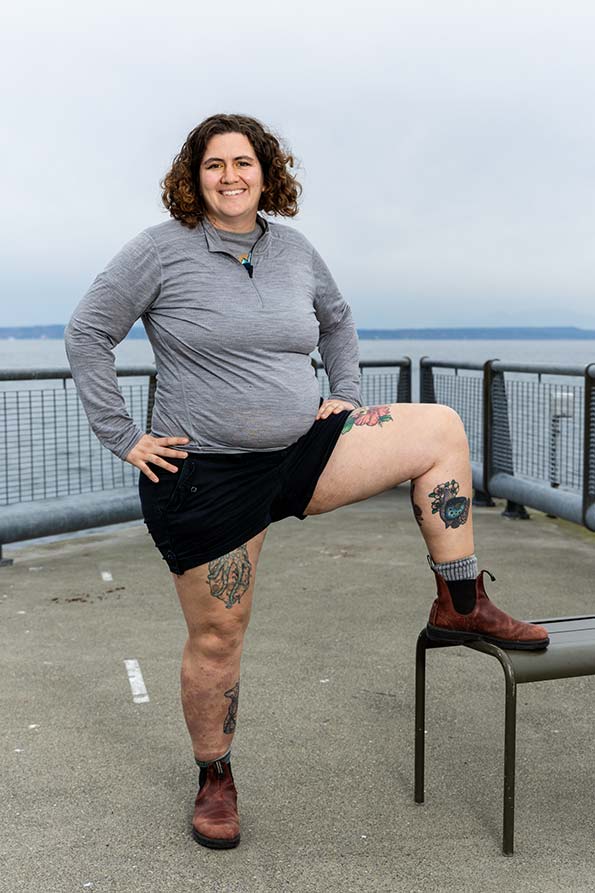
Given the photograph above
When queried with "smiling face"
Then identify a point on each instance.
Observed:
(231, 182)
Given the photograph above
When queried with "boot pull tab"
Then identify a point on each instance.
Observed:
(490, 575)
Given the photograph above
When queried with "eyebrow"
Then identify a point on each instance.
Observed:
(237, 158)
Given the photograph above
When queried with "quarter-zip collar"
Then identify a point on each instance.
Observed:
(215, 243)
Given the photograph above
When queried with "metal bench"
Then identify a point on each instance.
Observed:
(571, 652)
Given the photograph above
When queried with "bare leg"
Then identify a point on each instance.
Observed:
(216, 599)
(382, 446)
(423, 443)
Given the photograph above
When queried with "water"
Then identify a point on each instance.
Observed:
(25, 354)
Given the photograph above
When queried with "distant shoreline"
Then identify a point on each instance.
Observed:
(471, 333)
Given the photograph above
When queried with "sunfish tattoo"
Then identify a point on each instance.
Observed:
(233, 694)
(453, 509)
(229, 576)
(367, 415)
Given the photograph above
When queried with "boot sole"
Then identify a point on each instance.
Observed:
(436, 634)
(215, 843)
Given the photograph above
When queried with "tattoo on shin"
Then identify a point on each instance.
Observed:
(415, 507)
(229, 576)
(453, 509)
(367, 415)
(233, 694)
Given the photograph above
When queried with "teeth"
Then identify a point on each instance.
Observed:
(232, 192)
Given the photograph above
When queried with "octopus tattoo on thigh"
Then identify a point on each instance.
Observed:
(229, 725)
(453, 509)
(229, 576)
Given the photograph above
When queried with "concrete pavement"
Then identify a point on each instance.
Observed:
(97, 791)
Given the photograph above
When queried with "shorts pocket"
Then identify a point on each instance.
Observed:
(170, 492)
(182, 486)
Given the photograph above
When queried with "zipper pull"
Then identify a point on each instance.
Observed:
(247, 263)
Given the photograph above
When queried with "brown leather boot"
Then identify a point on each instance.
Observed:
(485, 621)
(216, 822)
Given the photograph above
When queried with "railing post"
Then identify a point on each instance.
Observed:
(497, 439)
(589, 446)
(404, 384)
(482, 497)
(427, 394)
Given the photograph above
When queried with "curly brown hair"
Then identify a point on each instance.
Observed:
(181, 190)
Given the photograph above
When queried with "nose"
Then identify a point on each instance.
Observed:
(229, 174)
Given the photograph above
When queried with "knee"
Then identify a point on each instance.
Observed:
(218, 639)
(452, 429)
(449, 419)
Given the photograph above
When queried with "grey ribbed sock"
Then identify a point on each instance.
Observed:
(459, 569)
(460, 576)
(202, 764)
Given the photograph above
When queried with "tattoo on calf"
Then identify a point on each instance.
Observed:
(415, 507)
(453, 509)
(229, 576)
(233, 694)
(367, 415)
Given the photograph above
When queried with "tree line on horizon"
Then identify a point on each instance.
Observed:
(437, 333)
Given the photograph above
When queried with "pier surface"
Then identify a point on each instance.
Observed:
(98, 789)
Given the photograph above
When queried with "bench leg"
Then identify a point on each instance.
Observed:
(420, 715)
(509, 762)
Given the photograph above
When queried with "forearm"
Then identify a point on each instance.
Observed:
(339, 351)
(117, 297)
(92, 364)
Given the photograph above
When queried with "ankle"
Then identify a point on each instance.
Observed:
(456, 569)
(460, 576)
(203, 762)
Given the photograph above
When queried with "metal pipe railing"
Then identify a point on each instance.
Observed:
(47, 448)
(378, 387)
(56, 477)
(537, 437)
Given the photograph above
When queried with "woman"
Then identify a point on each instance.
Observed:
(234, 305)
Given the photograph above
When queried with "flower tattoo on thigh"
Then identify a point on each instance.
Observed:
(367, 415)
(229, 725)
(453, 509)
(229, 576)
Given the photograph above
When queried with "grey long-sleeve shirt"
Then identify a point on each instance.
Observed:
(232, 353)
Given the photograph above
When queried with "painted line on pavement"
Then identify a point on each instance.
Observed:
(137, 683)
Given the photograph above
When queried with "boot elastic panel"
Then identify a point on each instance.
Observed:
(462, 594)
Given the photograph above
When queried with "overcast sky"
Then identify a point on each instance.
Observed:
(447, 149)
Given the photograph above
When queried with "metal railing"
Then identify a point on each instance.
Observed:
(531, 430)
(382, 381)
(56, 477)
(47, 448)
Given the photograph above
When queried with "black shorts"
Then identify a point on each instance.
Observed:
(218, 501)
